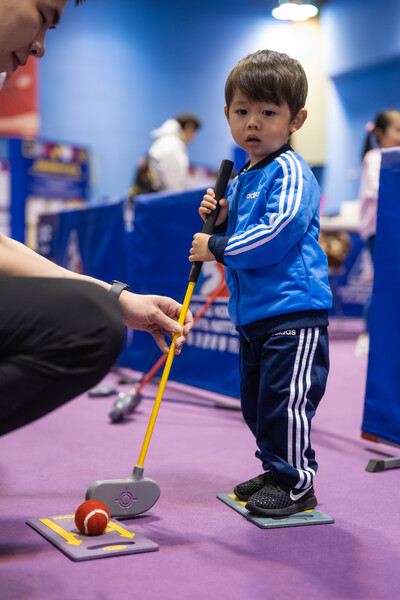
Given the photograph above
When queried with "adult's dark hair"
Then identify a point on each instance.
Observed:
(269, 76)
(382, 122)
(188, 119)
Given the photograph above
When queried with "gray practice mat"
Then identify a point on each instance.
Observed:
(309, 517)
(116, 539)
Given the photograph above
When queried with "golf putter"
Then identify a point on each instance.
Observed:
(125, 404)
(126, 498)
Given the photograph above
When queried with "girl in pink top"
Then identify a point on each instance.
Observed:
(386, 131)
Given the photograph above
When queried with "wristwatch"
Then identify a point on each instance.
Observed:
(117, 287)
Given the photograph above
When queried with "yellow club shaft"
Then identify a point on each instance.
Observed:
(164, 378)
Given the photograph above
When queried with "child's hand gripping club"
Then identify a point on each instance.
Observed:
(199, 250)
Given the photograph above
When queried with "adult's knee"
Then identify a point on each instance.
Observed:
(57, 341)
(97, 333)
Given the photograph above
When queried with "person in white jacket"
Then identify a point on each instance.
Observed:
(168, 156)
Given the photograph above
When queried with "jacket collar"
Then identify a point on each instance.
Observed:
(268, 159)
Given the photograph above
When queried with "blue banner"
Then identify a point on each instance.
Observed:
(44, 170)
(88, 240)
(158, 251)
(382, 397)
(55, 170)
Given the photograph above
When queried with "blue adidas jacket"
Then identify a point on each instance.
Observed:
(274, 264)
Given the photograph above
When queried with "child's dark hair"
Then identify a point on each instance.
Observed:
(188, 119)
(269, 76)
(382, 122)
(77, 2)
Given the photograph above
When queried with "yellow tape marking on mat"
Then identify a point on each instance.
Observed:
(112, 526)
(122, 532)
(114, 547)
(237, 499)
(70, 537)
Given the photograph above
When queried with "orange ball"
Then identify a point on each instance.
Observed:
(92, 517)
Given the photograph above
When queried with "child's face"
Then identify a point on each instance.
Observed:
(390, 138)
(261, 128)
(23, 26)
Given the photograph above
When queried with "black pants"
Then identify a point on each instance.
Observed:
(58, 338)
(283, 379)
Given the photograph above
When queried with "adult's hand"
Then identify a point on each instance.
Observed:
(158, 315)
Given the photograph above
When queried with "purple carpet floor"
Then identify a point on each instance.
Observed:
(207, 551)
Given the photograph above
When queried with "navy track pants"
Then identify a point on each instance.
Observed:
(283, 379)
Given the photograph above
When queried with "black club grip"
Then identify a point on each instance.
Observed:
(224, 174)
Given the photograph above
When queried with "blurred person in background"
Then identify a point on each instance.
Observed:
(168, 155)
(383, 133)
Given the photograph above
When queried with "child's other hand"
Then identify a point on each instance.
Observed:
(209, 203)
(199, 249)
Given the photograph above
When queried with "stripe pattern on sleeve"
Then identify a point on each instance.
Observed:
(289, 203)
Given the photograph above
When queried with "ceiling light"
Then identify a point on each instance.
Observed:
(294, 10)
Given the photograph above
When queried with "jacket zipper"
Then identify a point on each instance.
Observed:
(234, 274)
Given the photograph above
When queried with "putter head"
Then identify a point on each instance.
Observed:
(102, 391)
(126, 498)
(125, 404)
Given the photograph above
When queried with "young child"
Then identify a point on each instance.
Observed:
(277, 276)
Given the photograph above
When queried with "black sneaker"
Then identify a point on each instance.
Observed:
(244, 490)
(276, 499)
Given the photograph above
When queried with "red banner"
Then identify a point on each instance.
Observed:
(19, 114)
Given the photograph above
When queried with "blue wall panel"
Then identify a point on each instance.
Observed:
(354, 100)
(115, 70)
(359, 34)
(382, 397)
(361, 43)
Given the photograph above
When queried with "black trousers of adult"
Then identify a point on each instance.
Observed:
(283, 380)
(58, 338)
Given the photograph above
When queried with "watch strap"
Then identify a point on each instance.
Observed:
(117, 287)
